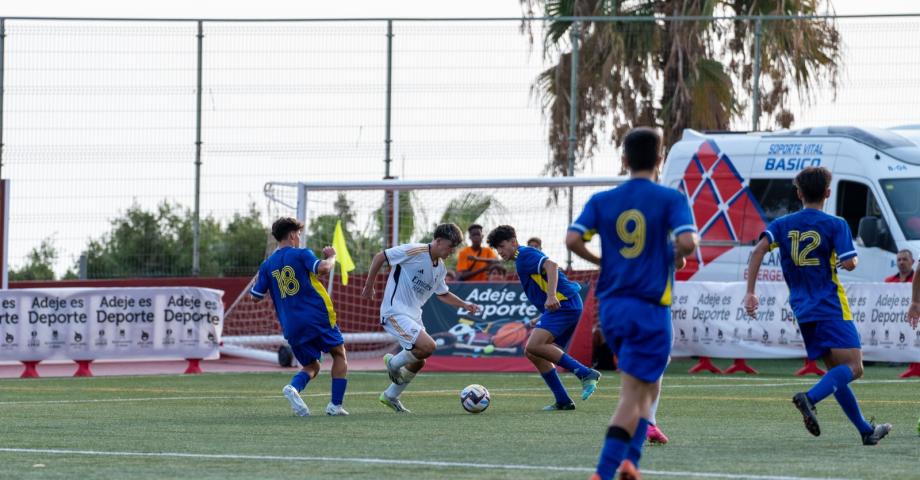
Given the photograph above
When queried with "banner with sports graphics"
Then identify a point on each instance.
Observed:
(494, 340)
(709, 320)
(96, 323)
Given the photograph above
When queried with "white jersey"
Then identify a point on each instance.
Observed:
(412, 281)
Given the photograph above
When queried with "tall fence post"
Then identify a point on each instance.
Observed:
(196, 229)
(574, 34)
(758, 33)
(2, 65)
(389, 218)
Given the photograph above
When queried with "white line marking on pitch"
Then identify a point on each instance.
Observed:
(377, 392)
(382, 461)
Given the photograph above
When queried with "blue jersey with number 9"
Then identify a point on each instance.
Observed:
(304, 308)
(636, 222)
(811, 244)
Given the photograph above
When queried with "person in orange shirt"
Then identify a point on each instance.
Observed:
(905, 268)
(473, 262)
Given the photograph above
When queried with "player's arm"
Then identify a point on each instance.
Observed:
(843, 245)
(576, 243)
(552, 283)
(260, 287)
(455, 301)
(328, 264)
(760, 251)
(913, 313)
(376, 264)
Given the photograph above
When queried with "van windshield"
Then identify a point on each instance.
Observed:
(904, 197)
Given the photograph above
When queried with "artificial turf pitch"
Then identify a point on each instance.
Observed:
(239, 426)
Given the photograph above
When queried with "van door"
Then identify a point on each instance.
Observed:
(854, 200)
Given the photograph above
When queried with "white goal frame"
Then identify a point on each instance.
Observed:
(241, 345)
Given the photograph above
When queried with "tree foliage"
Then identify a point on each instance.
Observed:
(677, 74)
(159, 243)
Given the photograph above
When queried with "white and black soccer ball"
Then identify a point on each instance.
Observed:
(475, 398)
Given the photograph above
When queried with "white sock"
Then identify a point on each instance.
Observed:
(654, 409)
(402, 358)
(408, 375)
(394, 390)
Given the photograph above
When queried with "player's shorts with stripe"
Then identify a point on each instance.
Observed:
(306, 351)
(405, 329)
(639, 333)
(561, 324)
(821, 336)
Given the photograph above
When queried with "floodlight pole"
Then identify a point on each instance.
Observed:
(758, 34)
(196, 225)
(574, 34)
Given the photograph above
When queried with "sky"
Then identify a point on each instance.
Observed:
(315, 9)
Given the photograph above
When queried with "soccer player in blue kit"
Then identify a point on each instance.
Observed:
(636, 222)
(305, 312)
(560, 306)
(812, 245)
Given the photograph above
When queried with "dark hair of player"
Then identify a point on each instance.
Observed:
(284, 226)
(499, 234)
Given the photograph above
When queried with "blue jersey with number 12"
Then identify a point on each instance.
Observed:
(811, 243)
(636, 221)
(303, 306)
(529, 266)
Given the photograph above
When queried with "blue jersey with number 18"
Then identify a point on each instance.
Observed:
(303, 306)
(636, 222)
(811, 244)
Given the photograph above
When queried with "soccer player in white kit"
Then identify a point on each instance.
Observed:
(416, 272)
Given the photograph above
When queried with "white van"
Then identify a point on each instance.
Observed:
(739, 182)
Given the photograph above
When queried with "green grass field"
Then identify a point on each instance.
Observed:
(239, 426)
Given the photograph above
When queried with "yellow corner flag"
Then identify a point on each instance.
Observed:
(341, 252)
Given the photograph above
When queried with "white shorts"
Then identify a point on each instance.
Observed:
(406, 330)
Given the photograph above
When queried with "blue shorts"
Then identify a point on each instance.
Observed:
(306, 351)
(821, 336)
(561, 324)
(639, 334)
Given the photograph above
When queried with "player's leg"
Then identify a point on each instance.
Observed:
(654, 434)
(553, 332)
(308, 357)
(402, 367)
(627, 429)
(851, 358)
(539, 340)
(339, 380)
(639, 333)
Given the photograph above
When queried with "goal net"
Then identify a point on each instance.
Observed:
(380, 214)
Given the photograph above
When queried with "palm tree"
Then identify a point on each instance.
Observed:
(677, 74)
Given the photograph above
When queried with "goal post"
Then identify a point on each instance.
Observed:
(376, 214)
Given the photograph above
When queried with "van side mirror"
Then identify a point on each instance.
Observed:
(869, 231)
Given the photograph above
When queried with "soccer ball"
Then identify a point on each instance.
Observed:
(474, 398)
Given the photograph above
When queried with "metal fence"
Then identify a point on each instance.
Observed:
(102, 115)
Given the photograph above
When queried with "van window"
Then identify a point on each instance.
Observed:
(904, 197)
(855, 201)
(776, 196)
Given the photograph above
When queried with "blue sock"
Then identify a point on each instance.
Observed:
(338, 390)
(573, 365)
(847, 401)
(300, 381)
(615, 446)
(835, 378)
(555, 384)
(634, 452)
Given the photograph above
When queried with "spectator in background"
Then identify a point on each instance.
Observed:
(535, 242)
(450, 276)
(905, 268)
(497, 273)
(473, 262)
